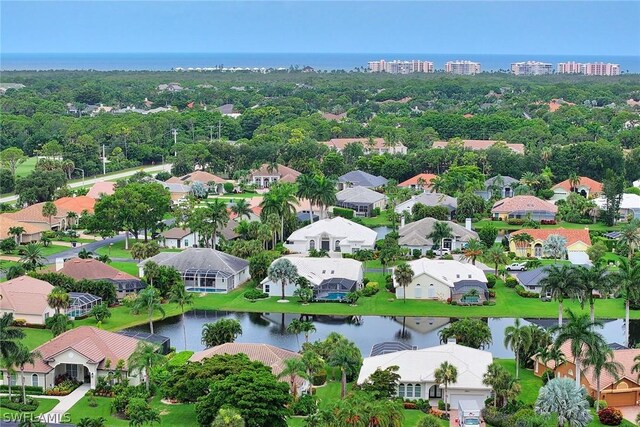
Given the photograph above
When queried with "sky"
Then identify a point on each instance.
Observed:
(440, 27)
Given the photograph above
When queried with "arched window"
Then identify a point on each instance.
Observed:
(312, 245)
(435, 392)
(417, 391)
(337, 246)
(401, 390)
(34, 380)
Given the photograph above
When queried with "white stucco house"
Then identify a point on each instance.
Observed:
(415, 235)
(26, 298)
(179, 238)
(416, 370)
(436, 278)
(333, 235)
(330, 278)
(84, 353)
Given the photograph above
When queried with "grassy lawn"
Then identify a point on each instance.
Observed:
(127, 267)
(501, 225)
(73, 239)
(35, 337)
(529, 382)
(234, 196)
(53, 249)
(180, 358)
(27, 167)
(45, 406)
(376, 221)
(117, 250)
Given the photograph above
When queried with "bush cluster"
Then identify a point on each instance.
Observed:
(305, 405)
(610, 416)
(16, 404)
(520, 290)
(511, 282)
(254, 294)
(28, 389)
(370, 289)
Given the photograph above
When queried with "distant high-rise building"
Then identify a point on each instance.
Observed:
(589, 69)
(401, 67)
(531, 68)
(462, 67)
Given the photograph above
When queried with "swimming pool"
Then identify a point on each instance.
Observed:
(207, 290)
(332, 296)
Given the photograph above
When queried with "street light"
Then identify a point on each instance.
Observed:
(81, 170)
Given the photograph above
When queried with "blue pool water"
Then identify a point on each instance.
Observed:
(333, 296)
(206, 290)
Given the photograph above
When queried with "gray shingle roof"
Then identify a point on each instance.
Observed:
(464, 286)
(415, 233)
(200, 258)
(533, 277)
(359, 195)
(363, 179)
(506, 179)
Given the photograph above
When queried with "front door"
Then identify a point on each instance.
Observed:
(538, 251)
(418, 292)
(325, 244)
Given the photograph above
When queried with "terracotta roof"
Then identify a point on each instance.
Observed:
(25, 295)
(426, 177)
(523, 203)
(76, 204)
(33, 213)
(481, 144)
(336, 117)
(593, 185)
(176, 233)
(281, 171)
(92, 269)
(197, 176)
(95, 344)
(572, 235)
(100, 188)
(7, 222)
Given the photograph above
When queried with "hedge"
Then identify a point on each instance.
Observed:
(31, 406)
(343, 212)
(29, 389)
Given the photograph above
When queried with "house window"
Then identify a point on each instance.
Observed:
(312, 245)
(337, 246)
(72, 370)
(435, 392)
(409, 392)
(34, 380)
(401, 390)
(267, 288)
(417, 390)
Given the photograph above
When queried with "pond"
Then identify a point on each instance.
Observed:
(382, 231)
(365, 331)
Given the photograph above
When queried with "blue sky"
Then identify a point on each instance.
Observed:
(498, 27)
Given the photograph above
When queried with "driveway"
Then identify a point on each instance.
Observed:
(630, 412)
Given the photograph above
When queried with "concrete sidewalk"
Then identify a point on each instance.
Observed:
(66, 403)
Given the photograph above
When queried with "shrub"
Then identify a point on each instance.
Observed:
(429, 421)
(343, 212)
(370, 289)
(511, 282)
(547, 376)
(254, 294)
(375, 212)
(416, 253)
(603, 404)
(28, 389)
(491, 280)
(591, 400)
(496, 418)
(515, 221)
(306, 405)
(389, 284)
(423, 405)
(610, 416)
(527, 417)
(16, 404)
(228, 187)
(410, 405)
(448, 257)
(441, 405)
(319, 378)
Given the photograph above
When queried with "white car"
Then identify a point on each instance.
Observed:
(442, 251)
(517, 266)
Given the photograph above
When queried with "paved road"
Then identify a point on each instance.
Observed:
(90, 247)
(90, 181)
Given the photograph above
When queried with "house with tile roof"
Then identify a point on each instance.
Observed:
(578, 240)
(26, 298)
(621, 391)
(332, 235)
(499, 187)
(264, 176)
(435, 279)
(32, 231)
(362, 200)
(77, 204)
(422, 181)
(359, 178)
(413, 236)
(33, 215)
(211, 181)
(269, 355)
(92, 269)
(481, 144)
(417, 367)
(204, 269)
(520, 207)
(587, 187)
(429, 199)
(369, 145)
(102, 188)
(84, 354)
(330, 278)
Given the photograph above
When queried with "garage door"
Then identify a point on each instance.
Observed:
(621, 399)
(457, 396)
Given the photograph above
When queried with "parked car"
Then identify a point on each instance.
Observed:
(442, 251)
(517, 266)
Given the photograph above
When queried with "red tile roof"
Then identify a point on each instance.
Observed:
(92, 269)
(33, 213)
(285, 173)
(197, 176)
(572, 235)
(25, 295)
(523, 203)
(100, 188)
(426, 177)
(76, 204)
(593, 185)
(7, 222)
(481, 144)
(336, 117)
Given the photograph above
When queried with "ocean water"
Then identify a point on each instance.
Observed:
(319, 61)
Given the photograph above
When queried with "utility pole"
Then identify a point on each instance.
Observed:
(174, 132)
(210, 132)
(104, 162)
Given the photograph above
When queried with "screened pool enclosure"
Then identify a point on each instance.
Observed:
(334, 289)
(80, 303)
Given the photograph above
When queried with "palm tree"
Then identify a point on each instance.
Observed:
(58, 299)
(17, 233)
(32, 257)
(600, 359)
(294, 368)
(551, 353)
(71, 217)
(20, 359)
(590, 280)
(505, 386)
(628, 279)
(324, 193)
(574, 182)
(581, 334)
(441, 230)
(495, 255)
(151, 271)
(217, 217)
(10, 336)
(559, 283)
(49, 210)
(403, 275)
(282, 271)
(144, 358)
(59, 324)
(344, 355)
(473, 249)
(630, 236)
(280, 200)
(179, 295)
(305, 190)
(518, 338)
(220, 332)
(522, 241)
(307, 327)
(529, 179)
(295, 327)
(85, 254)
(241, 208)
(148, 301)
(446, 374)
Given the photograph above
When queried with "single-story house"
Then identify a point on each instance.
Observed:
(265, 175)
(519, 207)
(93, 269)
(80, 353)
(204, 269)
(361, 199)
(359, 178)
(624, 391)
(578, 240)
(481, 144)
(211, 181)
(530, 279)
(429, 199)
(436, 278)
(32, 231)
(417, 367)
(587, 187)
(103, 188)
(332, 235)
(177, 191)
(179, 238)
(502, 186)
(33, 215)
(77, 204)
(81, 303)
(414, 235)
(330, 278)
(369, 145)
(422, 181)
(26, 298)
(629, 206)
(269, 355)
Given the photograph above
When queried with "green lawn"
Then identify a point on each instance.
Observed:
(502, 225)
(45, 406)
(117, 250)
(235, 196)
(376, 221)
(27, 167)
(35, 337)
(53, 249)
(127, 267)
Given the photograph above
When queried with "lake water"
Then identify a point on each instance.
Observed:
(382, 231)
(365, 331)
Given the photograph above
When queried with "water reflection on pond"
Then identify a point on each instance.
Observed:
(365, 331)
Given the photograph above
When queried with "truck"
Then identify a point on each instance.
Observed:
(468, 413)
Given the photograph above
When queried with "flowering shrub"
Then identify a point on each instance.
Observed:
(63, 388)
(610, 416)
